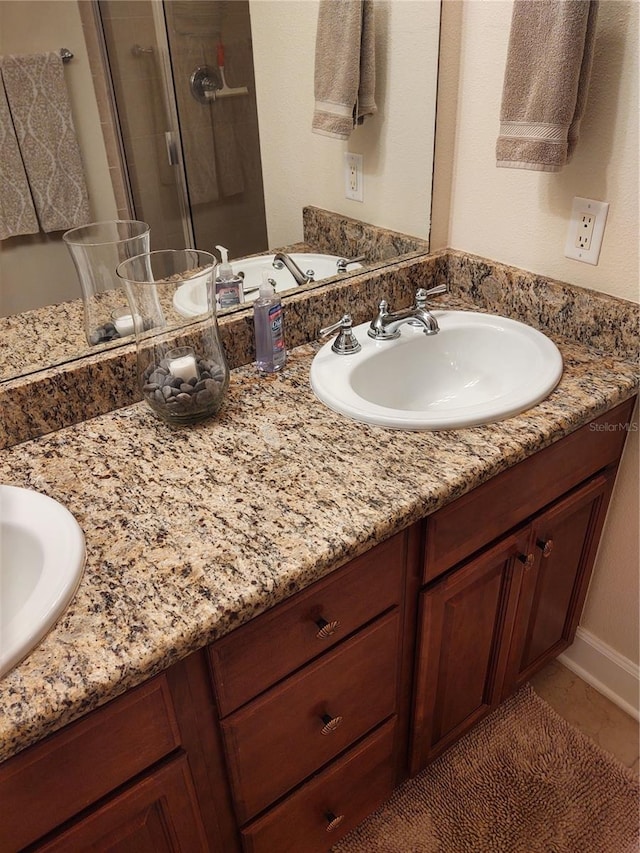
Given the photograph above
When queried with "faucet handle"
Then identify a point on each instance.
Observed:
(343, 263)
(346, 342)
(422, 295)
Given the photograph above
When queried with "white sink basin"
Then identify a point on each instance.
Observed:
(191, 299)
(478, 369)
(42, 553)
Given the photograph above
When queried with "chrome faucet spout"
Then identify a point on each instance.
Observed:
(281, 259)
(386, 325)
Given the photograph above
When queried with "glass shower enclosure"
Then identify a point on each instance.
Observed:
(183, 85)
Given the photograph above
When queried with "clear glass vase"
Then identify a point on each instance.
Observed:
(182, 369)
(96, 250)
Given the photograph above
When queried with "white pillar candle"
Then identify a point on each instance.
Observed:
(125, 325)
(183, 366)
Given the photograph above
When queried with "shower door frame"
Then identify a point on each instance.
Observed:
(173, 133)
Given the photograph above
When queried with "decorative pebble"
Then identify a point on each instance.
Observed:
(177, 400)
(203, 398)
(103, 334)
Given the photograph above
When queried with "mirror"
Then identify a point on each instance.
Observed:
(298, 168)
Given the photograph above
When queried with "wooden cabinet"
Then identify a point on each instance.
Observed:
(496, 608)
(463, 629)
(312, 717)
(330, 804)
(286, 733)
(563, 540)
(310, 723)
(307, 625)
(157, 814)
(144, 772)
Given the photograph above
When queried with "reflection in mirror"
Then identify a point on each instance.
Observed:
(236, 170)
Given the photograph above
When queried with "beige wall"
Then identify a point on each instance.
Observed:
(521, 217)
(27, 264)
(301, 167)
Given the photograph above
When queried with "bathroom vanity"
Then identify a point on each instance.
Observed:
(285, 613)
(291, 729)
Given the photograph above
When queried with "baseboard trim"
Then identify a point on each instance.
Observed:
(606, 670)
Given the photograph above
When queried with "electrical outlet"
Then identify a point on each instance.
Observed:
(586, 230)
(353, 181)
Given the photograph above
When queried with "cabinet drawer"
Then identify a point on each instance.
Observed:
(277, 741)
(265, 650)
(475, 519)
(345, 793)
(93, 756)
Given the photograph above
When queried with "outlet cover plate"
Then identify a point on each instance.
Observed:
(592, 216)
(353, 176)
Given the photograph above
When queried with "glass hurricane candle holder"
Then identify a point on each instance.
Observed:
(96, 250)
(182, 370)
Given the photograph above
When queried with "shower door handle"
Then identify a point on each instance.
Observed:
(170, 140)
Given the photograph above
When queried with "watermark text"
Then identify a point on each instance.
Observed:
(627, 426)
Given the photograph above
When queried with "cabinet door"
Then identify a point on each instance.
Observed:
(465, 625)
(159, 814)
(564, 539)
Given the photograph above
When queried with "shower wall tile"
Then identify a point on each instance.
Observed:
(112, 9)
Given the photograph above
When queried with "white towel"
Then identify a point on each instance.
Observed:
(546, 82)
(344, 85)
(17, 213)
(39, 105)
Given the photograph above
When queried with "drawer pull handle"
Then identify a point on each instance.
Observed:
(326, 628)
(527, 559)
(545, 547)
(334, 821)
(330, 724)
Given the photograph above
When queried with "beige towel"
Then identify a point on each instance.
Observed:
(17, 213)
(37, 96)
(546, 81)
(344, 85)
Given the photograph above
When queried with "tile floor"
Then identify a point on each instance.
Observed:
(591, 712)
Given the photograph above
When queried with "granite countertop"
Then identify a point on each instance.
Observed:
(55, 334)
(191, 532)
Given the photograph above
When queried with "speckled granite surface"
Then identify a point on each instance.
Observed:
(342, 235)
(191, 532)
(36, 340)
(54, 334)
(50, 399)
(53, 398)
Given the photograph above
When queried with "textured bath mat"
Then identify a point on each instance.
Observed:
(524, 781)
